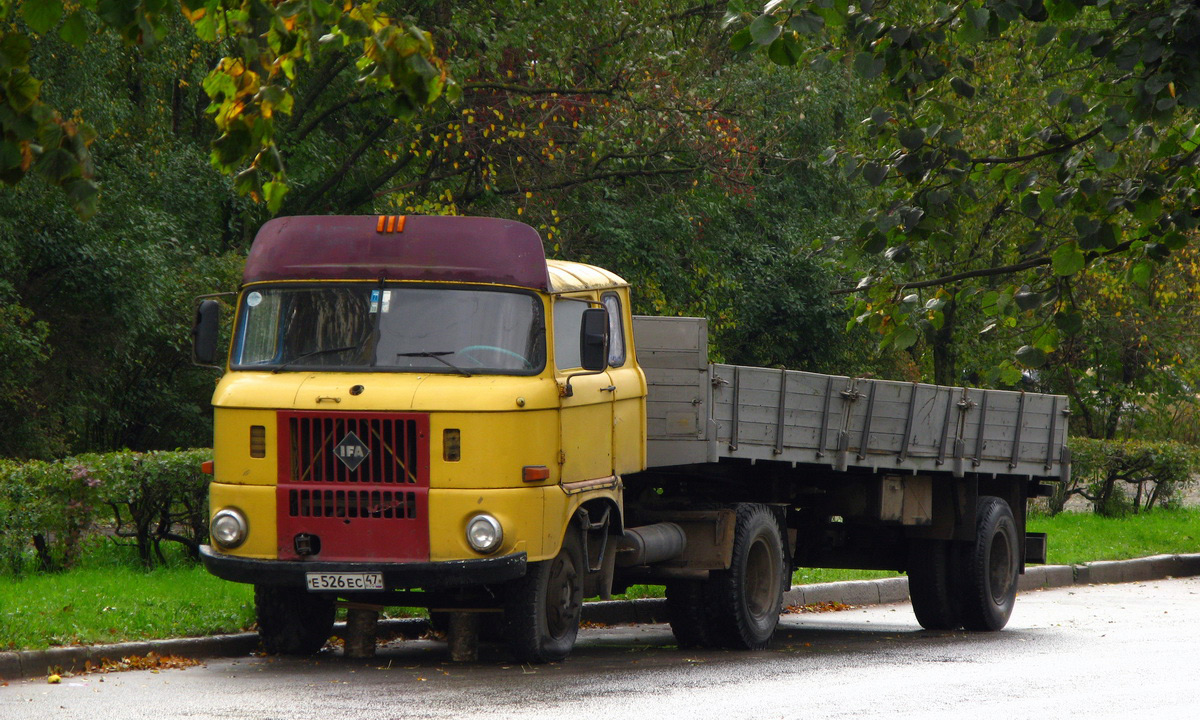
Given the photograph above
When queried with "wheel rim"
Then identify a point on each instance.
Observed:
(1000, 567)
(562, 607)
(761, 581)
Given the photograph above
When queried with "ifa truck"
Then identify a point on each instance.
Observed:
(427, 412)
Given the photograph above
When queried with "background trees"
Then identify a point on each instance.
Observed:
(995, 191)
(1035, 172)
(641, 143)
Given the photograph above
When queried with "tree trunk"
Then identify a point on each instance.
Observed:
(945, 355)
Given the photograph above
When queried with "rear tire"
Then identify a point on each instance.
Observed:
(991, 567)
(931, 576)
(543, 608)
(744, 601)
(292, 621)
(687, 615)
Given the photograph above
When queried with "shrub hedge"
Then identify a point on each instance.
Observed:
(1119, 477)
(48, 508)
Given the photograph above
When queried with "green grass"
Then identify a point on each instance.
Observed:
(115, 604)
(110, 599)
(1083, 537)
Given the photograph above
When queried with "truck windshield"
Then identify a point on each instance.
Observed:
(390, 327)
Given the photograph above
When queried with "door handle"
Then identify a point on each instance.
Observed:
(610, 388)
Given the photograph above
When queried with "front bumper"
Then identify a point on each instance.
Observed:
(396, 576)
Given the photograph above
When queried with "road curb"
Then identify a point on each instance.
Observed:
(33, 663)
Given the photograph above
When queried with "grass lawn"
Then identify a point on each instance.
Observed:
(114, 604)
(110, 599)
(1083, 537)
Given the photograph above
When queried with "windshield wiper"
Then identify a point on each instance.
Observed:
(322, 351)
(437, 356)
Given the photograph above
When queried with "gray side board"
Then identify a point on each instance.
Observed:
(698, 412)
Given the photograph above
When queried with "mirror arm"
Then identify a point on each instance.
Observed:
(565, 390)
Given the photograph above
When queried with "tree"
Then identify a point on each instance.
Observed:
(261, 47)
(693, 173)
(1016, 143)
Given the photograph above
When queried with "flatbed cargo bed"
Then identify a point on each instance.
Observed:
(699, 413)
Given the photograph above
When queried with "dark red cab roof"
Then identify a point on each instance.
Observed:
(397, 247)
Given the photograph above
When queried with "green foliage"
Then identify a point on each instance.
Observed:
(1121, 477)
(688, 170)
(100, 360)
(49, 509)
(265, 42)
(1015, 146)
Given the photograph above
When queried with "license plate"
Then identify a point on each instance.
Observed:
(344, 581)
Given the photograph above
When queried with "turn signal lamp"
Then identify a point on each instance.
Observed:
(258, 441)
(451, 445)
(535, 473)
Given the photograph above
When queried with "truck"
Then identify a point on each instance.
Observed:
(427, 412)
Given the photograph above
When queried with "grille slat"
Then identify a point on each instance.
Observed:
(386, 504)
(390, 446)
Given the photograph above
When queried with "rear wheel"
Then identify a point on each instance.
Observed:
(990, 567)
(744, 601)
(931, 575)
(292, 621)
(686, 613)
(543, 608)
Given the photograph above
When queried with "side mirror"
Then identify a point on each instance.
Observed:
(205, 331)
(593, 340)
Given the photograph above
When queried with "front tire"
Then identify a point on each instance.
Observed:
(543, 608)
(292, 621)
(990, 567)
(744, 601)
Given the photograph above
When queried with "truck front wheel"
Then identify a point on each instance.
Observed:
(990, 567)
(744, 601)
(292, 621)
(543, 608)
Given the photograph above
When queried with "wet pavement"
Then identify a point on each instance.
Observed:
(1107, 651)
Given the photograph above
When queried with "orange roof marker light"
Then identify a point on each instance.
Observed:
(390, 223)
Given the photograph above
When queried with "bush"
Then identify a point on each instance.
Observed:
(1120, 477)
(47, 509)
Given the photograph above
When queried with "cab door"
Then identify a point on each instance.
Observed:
(629, 383)
(586, 416)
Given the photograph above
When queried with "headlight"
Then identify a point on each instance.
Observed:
(484, 533)
(228, 528)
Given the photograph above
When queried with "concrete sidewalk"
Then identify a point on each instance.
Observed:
(33, 663)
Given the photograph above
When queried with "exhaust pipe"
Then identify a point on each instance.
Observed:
(651, 544)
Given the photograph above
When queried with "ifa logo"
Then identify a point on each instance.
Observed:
(352, 451)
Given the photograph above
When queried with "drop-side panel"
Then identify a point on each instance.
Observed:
(673, 354)
(698, 413)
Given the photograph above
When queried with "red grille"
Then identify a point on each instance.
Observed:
(358, 481)
(391, 443)
(352, 504)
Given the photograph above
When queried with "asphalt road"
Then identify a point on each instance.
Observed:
(1106, 651)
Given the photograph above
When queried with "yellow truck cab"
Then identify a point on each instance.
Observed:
(420, 402)
(424, 411)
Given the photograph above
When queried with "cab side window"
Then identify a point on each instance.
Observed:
(616, 330)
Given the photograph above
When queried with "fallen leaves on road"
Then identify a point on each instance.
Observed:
(591, 624)
(151, 661)
(821, 607)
